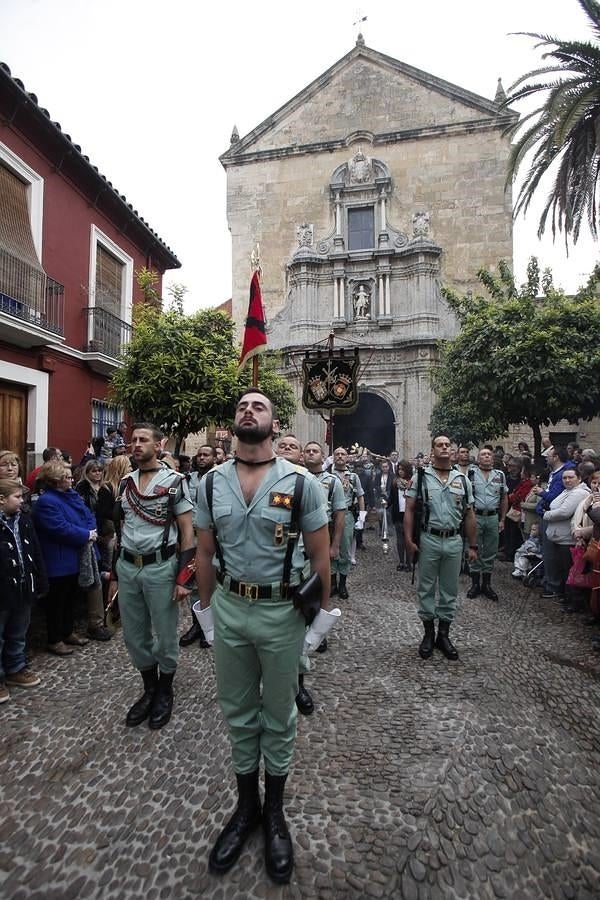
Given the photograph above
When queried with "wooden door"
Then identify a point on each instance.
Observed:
(13, 419)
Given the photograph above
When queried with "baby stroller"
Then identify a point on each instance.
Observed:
(535, 576)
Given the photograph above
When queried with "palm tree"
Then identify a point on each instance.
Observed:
(563, 133)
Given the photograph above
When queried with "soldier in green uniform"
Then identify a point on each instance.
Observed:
(154, 523)
(491, 503)
(258, 634)
(206, 459)
(354, 494)
(447, 499)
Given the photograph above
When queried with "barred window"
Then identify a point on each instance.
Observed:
(104, 415)
(361, 228)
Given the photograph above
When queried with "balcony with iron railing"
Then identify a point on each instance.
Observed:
(107, 337)
(32, 305)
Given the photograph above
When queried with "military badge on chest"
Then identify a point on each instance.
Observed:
(281, 501)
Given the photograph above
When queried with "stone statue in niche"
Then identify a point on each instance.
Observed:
(360, 168)
(304, 233)
(421, 224)
(362, 303)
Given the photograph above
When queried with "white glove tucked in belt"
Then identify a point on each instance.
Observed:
(320, 628)
(360, 523)
(205, 621)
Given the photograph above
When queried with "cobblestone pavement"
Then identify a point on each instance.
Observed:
(413, 779)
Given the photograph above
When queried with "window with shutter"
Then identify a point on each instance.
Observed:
(361, 228)
(22, 278)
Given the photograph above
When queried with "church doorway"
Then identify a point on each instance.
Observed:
(370, 425)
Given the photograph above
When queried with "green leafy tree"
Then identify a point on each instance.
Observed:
(520, 357)
(562, 134)
(180, 372)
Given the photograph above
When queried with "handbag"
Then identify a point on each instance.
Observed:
(514, 515)
(580, 574)
(592, 551)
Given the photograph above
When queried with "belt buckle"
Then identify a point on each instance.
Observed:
(248, 591)
(138, 561)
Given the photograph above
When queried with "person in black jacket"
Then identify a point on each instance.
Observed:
(397, 504)
(88, 489)
(22, 578)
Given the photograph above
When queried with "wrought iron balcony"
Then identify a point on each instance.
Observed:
(32, 306)
(107, 334)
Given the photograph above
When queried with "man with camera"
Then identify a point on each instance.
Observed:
(245, 508)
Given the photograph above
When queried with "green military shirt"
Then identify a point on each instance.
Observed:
(351, 486)
(253, 538)
(144, 516)
(488, 492)
(446, 502)
(334, 493)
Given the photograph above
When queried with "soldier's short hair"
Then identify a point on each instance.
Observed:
(253, 390)
(148, 426)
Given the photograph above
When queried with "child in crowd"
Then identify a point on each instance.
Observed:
(531, 547)
(22, 578)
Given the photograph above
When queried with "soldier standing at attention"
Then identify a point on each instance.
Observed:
(151, 575)
(206, 459)
(244, 513)
(491, 503)
(447, 499)
(354, 494)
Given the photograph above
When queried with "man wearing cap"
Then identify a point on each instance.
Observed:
(447, 501)
(244, 515)
(154, 571)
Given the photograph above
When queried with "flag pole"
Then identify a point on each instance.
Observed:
(255, 338)
(255, 265)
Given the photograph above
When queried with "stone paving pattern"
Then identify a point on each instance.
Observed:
(413, 779)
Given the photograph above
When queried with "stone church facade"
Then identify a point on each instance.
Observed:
(366, 192)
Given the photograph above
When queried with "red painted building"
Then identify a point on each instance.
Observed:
(69, 247)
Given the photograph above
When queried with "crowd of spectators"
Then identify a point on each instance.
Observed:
(57, 533)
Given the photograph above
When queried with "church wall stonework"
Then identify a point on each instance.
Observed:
(430, 160)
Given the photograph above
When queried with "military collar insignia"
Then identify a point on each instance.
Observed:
(276, 498)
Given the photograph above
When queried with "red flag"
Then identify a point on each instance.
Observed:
(255, 338)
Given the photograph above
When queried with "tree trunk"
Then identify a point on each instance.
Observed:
(178, 443)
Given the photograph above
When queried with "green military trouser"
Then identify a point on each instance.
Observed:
(439, 562)
(342, 565)
(254, 640)
(487, 544)
(149, 614)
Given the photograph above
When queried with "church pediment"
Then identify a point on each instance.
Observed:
(367, 90)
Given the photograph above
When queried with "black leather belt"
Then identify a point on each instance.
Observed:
(147, 559)
(486, 512)
(251, 591)
(437, 532)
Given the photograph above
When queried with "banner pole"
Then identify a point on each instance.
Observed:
(255, 371)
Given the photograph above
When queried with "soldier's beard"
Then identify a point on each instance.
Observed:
(253, 434)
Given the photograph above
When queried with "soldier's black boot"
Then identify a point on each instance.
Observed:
(427, 644)
(141, 708)
(334, 586)
(191, 635)
(343, 592)
(244, 820)
(475, 589)
(304, 701)
(162, 704)
(443, 642)
(486, 589)
(279, 853)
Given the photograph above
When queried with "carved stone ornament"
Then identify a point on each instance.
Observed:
(361, 302)
(304, 233)
(421, 224)
(360, 168)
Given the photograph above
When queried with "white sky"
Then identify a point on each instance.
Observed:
(151, 89)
